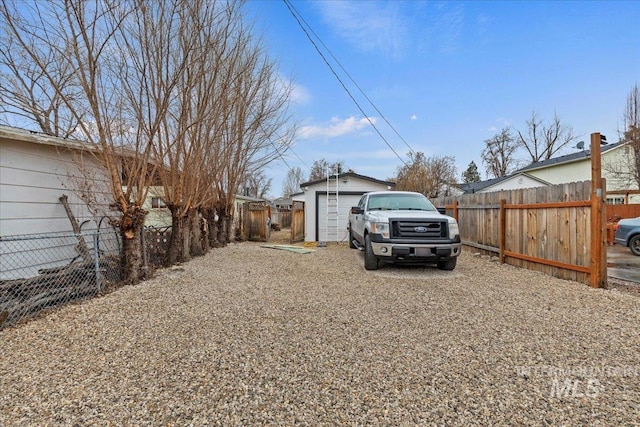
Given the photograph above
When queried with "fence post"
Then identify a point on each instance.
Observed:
(96, 259)
(455, 210)
(502, 228)
(598, 277)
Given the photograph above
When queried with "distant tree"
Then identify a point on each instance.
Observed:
(471, 174)
(431, 176)
(626, 169)
(292, 182)
(498, 154)
(256, 184)
(542, 140)
(320, 167)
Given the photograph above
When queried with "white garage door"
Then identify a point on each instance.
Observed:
(330, 229)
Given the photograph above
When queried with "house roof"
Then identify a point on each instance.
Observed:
(474, 187)
(248, 198)
(573, 157)
(21, 135)
(349, 175)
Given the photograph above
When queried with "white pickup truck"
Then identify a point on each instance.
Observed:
(403, 226)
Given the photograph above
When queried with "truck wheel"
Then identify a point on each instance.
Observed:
(634, 245)
(351, 245)
(370, 260)
(449, 264)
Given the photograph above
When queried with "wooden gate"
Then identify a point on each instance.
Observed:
(256, 214)
(297, 222)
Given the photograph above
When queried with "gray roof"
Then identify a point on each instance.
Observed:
(349, 174)
(580, 155)
(474, 187)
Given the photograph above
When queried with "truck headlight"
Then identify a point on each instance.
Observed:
(381, 228)
(454, 231)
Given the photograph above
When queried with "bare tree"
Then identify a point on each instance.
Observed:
(431, 176)
(26, 92)
(626, 169)
(256, 184)
(498, 154)
(250, 126)
(632, 130)
(81, 36)
(292, 182)
(321, 168)
(177, 62)
(542, 140)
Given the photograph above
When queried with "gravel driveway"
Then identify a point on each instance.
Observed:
(253, 336)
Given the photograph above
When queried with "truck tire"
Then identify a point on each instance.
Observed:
(634, 245)
(351, 245)
(370, 260)
(449, 264)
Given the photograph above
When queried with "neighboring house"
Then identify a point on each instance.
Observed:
(576, 167)
(35, 171)
(297, 197)
(282, 203)
(158, 215)
(328, 201)
(572, 167)
(515, 181)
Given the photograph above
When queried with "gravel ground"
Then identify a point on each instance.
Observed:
(253, 336)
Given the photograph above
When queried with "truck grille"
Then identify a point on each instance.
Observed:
(418, 229)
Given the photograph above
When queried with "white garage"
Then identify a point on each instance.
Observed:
(328, 201)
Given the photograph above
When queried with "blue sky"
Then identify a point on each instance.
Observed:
(447, 75)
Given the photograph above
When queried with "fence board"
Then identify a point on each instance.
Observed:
(622, 211)
(297, 222)
(547, 229)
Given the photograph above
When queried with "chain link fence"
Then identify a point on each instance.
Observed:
(42, 271)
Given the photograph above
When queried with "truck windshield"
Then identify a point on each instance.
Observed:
(398, 202)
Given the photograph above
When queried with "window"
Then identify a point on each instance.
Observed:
(157, 202)
(615, 200)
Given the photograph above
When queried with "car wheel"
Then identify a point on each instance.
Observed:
(370, 260)
(634, 245)
(449, 264)
(351, 245)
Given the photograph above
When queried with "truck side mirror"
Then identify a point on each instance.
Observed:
(356, 210)
(443, 211)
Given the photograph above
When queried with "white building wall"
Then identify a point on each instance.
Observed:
(32, 179)
(353, 187)
(580, 170)
(515, 183)
(569, 172)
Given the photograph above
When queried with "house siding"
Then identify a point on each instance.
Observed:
(32, 179)
(580, 170)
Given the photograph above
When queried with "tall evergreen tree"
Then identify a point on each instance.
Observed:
(471, 174)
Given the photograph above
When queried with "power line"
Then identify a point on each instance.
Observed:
(291, 10)
(352, 80)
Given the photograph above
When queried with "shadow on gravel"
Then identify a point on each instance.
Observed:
(407, 271)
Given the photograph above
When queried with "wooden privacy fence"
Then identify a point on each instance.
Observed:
(297, 222)
(616, 212)
(254, 218)
(557, 229)
(282, 217)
